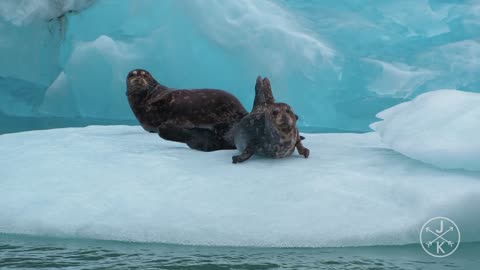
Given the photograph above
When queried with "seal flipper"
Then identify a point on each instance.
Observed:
(156, 97)
(206, 140)
(171, 133)
(202, 139)
(267, 91)
(259, 101)
(263, 94)
(245, 155)
(302, 150)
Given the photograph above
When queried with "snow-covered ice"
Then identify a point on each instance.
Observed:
(440, 128)
(120, 183)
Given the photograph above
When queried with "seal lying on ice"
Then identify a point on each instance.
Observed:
(269, 130)
(201, 118)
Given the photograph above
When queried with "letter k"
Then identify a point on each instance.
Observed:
(439, 247)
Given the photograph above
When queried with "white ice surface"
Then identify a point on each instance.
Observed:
(440, 128)
(121, 183)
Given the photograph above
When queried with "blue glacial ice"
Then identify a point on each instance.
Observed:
(440, 128)
(121, 183)
(338, 63)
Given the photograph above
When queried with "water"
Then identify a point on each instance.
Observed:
(26, 252)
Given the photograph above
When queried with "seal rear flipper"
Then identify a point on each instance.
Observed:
(245, 155)
(225, 133)
(206, 140)
(263, 93)
(173, 134)
(267, 91)
(259, 96)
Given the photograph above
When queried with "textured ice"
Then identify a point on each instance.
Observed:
(31, 38)
(21, 12)
(440, 127)
(121, 183)
(337, 62)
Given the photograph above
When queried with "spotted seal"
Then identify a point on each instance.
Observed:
(269, 130)
(201, 118)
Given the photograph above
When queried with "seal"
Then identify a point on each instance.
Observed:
(201, 118)
(269, 130)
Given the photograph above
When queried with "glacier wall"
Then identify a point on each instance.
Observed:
(338, 63)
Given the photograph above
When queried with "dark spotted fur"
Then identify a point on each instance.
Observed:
(201, 118)
(269, 130)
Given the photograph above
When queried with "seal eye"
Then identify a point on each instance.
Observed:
(132, 73)
(289, 111)
(275, 112)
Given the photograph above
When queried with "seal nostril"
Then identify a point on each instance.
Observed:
(134, 80)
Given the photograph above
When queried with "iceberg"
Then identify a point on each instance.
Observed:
(28, 12)
(338, 63)
(121, 183)
(31, 39)
(440, 128)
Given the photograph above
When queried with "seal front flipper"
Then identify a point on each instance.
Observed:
(245, 155)
(156, 97)
(302, 150)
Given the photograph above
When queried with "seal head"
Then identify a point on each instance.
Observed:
(141, 88)
(282, 117)
(139, 81)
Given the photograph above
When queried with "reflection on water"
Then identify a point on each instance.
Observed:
(22, 252)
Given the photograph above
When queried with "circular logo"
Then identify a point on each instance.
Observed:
(440, 237)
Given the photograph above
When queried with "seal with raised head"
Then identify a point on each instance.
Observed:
(201, 118)
(269, 130)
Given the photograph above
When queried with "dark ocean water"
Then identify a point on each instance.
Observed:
(26, 252)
